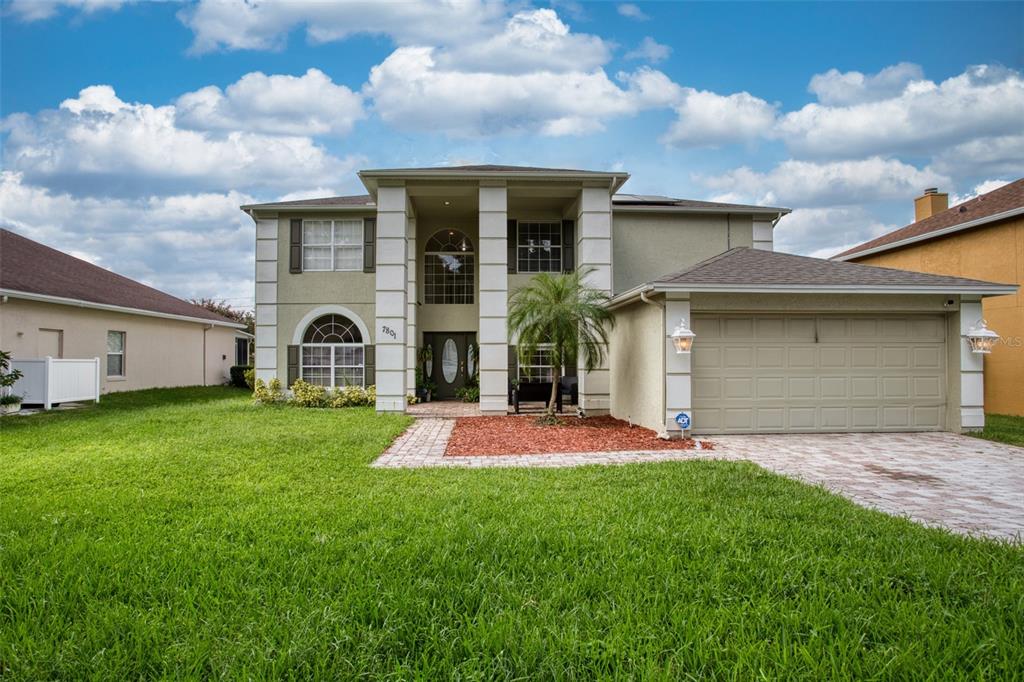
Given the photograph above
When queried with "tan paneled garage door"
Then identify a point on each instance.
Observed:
(775, 373)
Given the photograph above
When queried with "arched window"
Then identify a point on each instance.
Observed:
(448, 272)
(332, 352)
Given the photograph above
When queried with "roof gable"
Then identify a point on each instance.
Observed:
(970, 213)
(32, 268)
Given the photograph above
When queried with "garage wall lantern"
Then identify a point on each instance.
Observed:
(682, 337)
(981, 338)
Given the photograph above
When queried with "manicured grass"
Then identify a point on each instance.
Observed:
(1003, 428)
(187, 533)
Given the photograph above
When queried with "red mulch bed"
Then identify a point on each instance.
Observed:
(523, 436)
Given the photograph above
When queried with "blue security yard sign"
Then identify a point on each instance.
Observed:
(683, 419)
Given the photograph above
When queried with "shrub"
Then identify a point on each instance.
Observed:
(268, 394)
(468, 394)
(250, 377)
(353, 396)
(411, 399)
(237, 373)
(305, 394)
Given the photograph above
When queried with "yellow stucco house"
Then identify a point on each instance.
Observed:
(982, 238)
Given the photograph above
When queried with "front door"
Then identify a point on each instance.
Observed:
(450, 366)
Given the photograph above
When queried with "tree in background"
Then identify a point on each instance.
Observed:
(246, 317)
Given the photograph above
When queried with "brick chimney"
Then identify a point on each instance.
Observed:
(930, 203)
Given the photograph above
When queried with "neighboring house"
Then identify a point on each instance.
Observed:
(982, 238)
(52, 304)
(350, 289)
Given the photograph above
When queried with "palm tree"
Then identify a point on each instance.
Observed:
(562, 312)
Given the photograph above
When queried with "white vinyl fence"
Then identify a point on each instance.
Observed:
(47, 381)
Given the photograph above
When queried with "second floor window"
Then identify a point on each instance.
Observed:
(332, 245)
(448, 270)
(539, 247)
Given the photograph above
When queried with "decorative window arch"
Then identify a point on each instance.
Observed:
(332, 352)
(449, 270)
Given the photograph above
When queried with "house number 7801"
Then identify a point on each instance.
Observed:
(389, 331)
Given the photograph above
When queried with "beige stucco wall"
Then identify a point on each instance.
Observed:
(299, 294)
(158, 352)
(646, 246)
(637, 365)
(994, 253)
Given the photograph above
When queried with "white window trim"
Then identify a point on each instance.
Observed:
(519, 372)
(469, 254)
(333, 366)
(124, 348)
(561, 253)
(334, 245)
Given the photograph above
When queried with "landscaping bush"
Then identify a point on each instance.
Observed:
(250, 377)
(305, 394)
(468, 394)
(237, 373)
(268, 393)
(354, 396)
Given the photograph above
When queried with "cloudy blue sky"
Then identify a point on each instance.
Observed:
(131, 131)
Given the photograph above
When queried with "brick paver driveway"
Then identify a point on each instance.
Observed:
(967, 485)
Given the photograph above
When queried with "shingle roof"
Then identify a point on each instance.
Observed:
(746, 267)
(353, 200)
(997, 201)
(655, 200)
(485, 168)
(33, 268)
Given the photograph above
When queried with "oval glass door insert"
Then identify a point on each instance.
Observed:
(449, 360)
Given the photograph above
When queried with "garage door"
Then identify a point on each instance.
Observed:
(776, 373)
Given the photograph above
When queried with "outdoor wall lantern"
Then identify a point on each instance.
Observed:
(682, 337)
(981, 338)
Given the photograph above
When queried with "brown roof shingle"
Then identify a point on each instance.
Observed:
(997, 201)
(746, 267)
(33, 268)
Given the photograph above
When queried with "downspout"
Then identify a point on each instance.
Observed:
(728, 231)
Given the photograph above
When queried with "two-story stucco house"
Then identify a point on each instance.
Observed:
(350, 289)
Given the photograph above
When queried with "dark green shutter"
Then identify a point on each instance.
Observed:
(369, 244)
(513, 364)
(295, 246)
(568, 245)
(293, 365)
(369, 365)
(512, 268)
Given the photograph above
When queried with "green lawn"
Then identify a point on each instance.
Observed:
(187, 533)
(1003, 428)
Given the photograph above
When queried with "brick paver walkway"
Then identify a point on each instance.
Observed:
(967, 485)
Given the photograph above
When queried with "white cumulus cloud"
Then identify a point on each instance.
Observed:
(650, 50)
(632, 11)
(99, 143)
(189, 245)
(708, 119)
(837, 88)
(925, 117)
(37, 10)
(310, 104)
(836, 183)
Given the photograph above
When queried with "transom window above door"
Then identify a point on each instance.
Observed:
(332, 245)
(539, 247)
(449, 269)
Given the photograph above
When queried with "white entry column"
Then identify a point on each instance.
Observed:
(266, 301)
(411, 297)
(390, 331)
(677, 366)
(972, 370)
(594, 249)
(493, 330)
